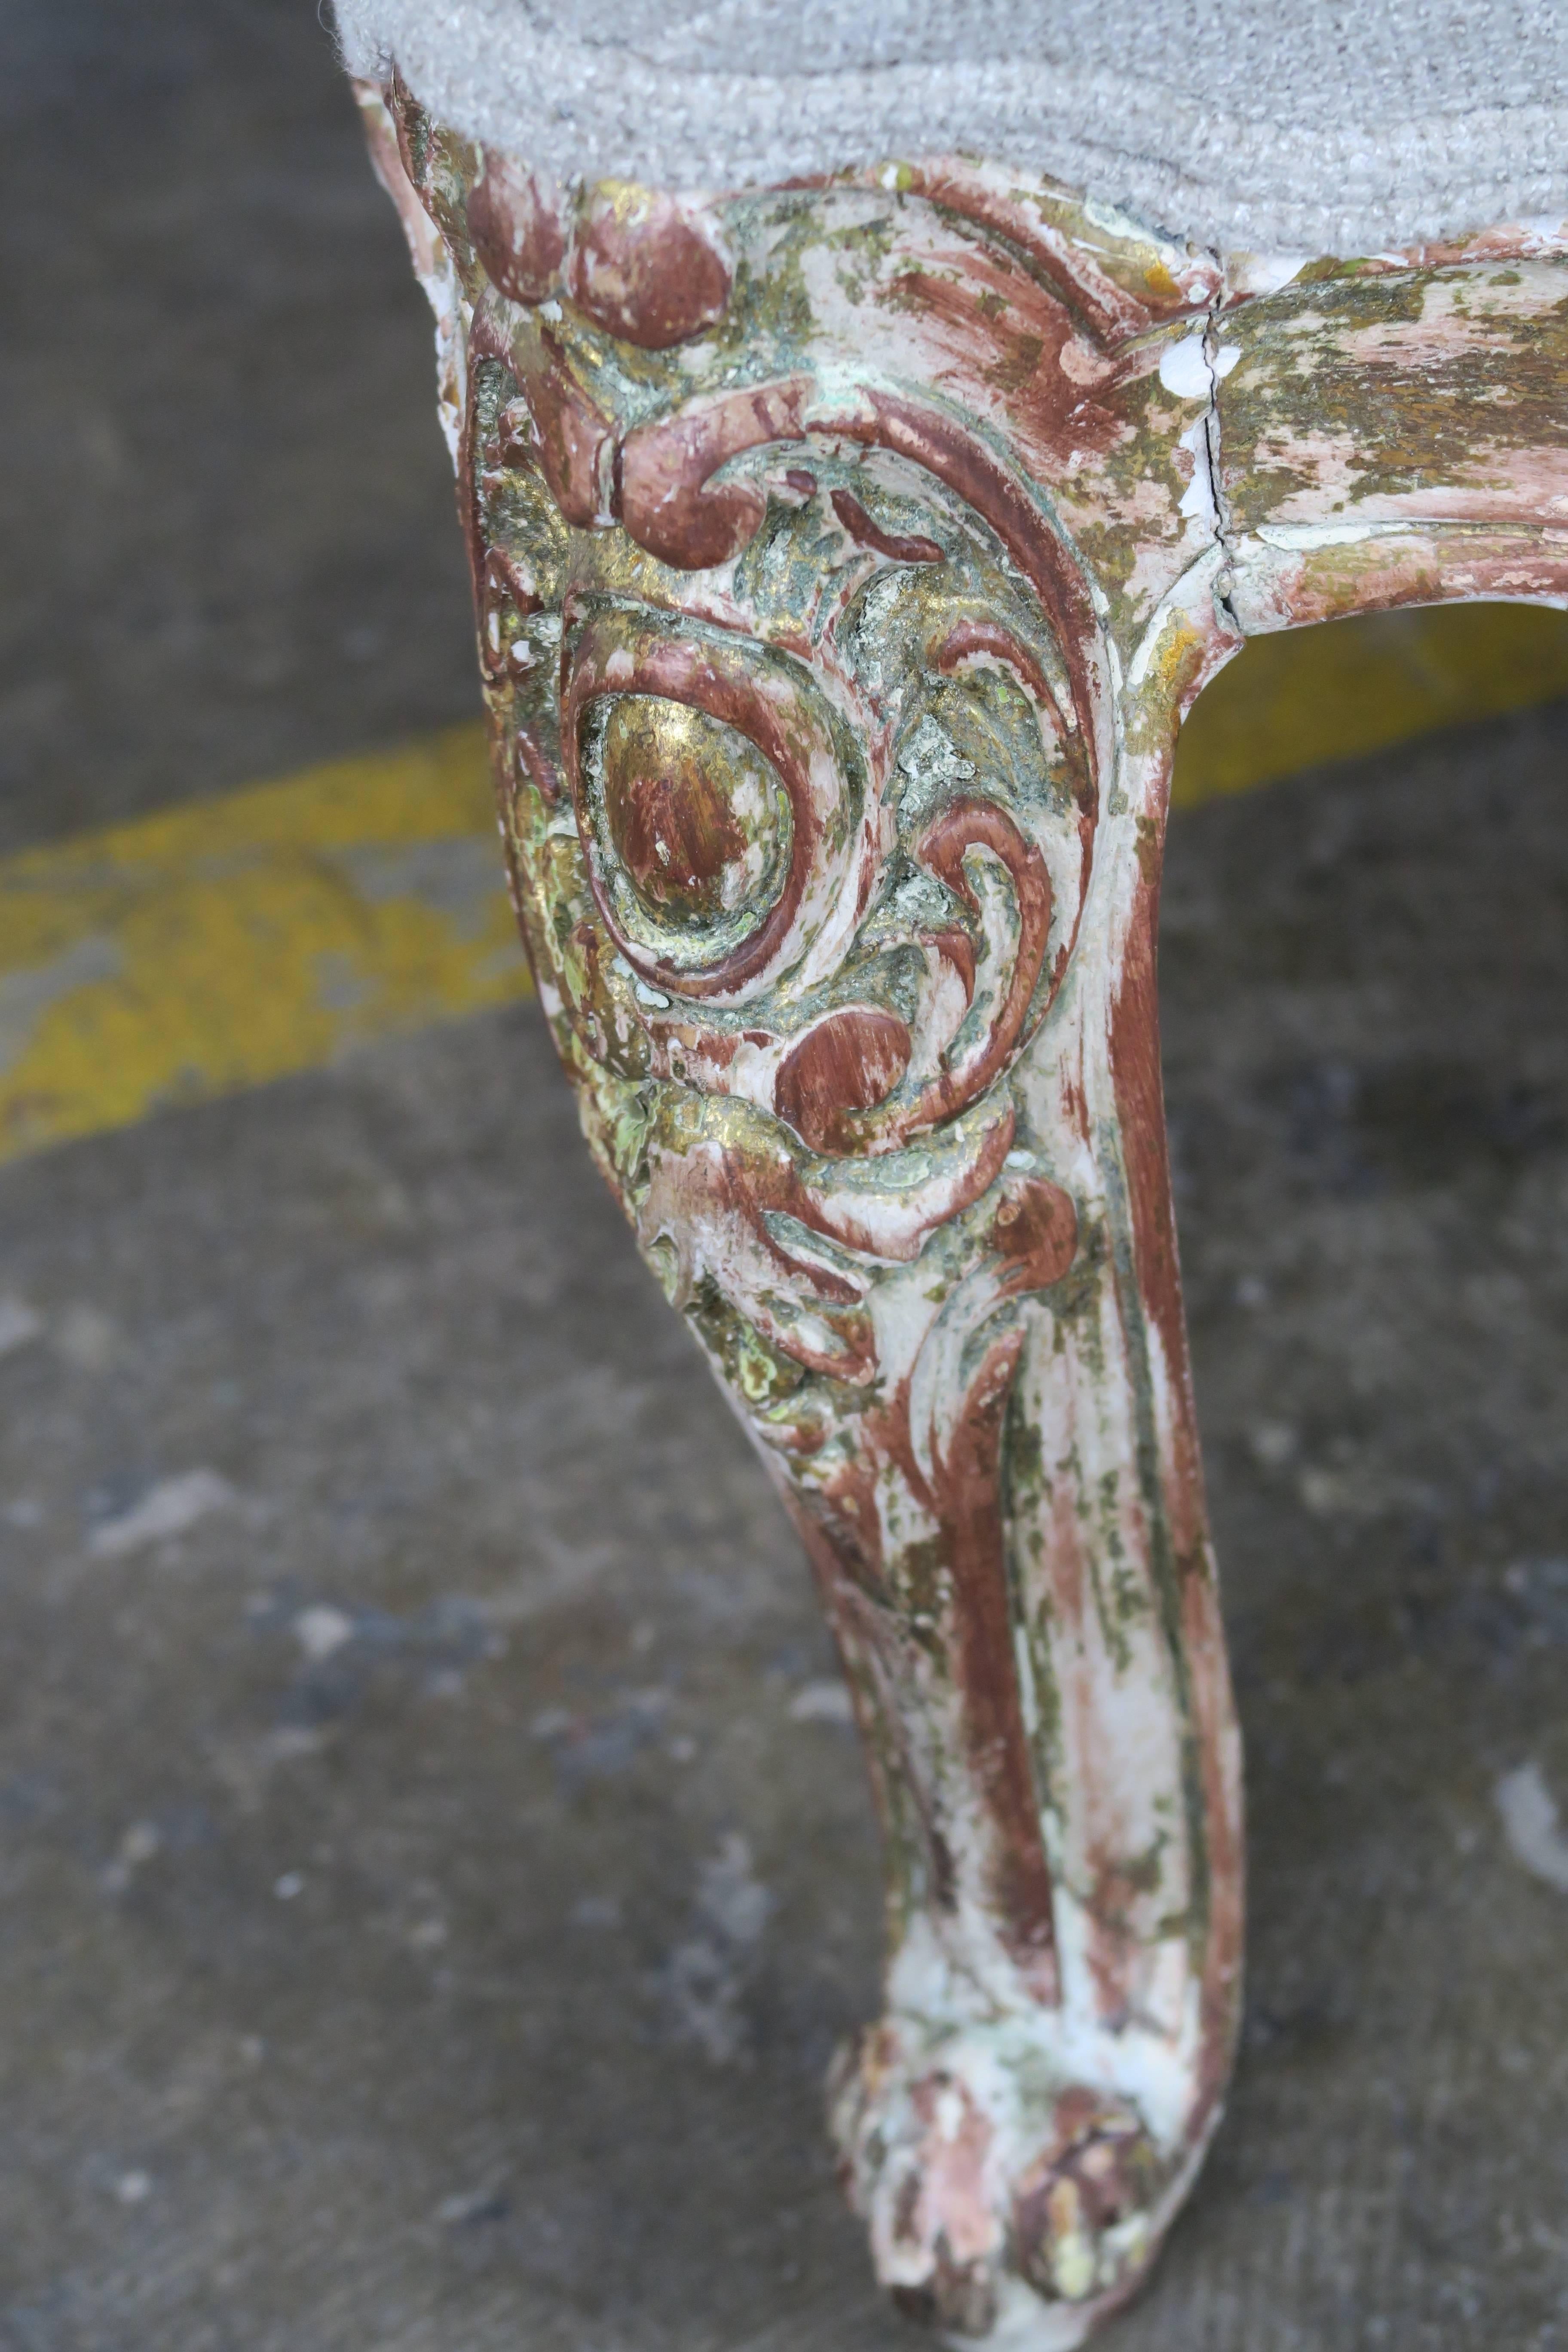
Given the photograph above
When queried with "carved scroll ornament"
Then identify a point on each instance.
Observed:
(844, 557)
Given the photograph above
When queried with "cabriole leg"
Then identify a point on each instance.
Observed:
(844, 558)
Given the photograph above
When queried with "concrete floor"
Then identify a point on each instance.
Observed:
(435, 1878)
(225, 505)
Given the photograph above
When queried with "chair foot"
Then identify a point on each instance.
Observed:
(1003, 2199)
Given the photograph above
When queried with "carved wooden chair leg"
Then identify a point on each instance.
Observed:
(845, 558)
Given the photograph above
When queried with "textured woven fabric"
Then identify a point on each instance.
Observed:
(1305, 126)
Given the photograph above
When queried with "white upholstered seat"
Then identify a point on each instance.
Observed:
(1322, 126)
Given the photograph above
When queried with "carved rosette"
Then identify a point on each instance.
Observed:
(844, 558)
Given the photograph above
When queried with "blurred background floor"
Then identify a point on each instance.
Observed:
(436, 1874)
(224, 503)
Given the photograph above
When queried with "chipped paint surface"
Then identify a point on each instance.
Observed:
(845, 559)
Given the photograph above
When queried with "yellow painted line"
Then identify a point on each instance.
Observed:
(1348, 687)
(229, 941)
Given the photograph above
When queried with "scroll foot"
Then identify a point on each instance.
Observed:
(1003, 2201)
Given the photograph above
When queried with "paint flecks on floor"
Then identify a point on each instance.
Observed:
(1532, 1826)
(167, 1509)
(705, 1976)
(822, 1701)
(19, 1324)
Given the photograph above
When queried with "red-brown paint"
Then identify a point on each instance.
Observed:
(968, 1499)
(1136, 1065)
(1113, 312)
(906, 547)
(1099, 2168)
(964, 826)
(848, 1061)
(674, 829)
(977, 638)
(515, 221)
(1140, 1102)
(671, 506)
(669, 501)
(535, 765)
(575, 438)
(706, 677)
(1034, 1233)
(645, 268)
